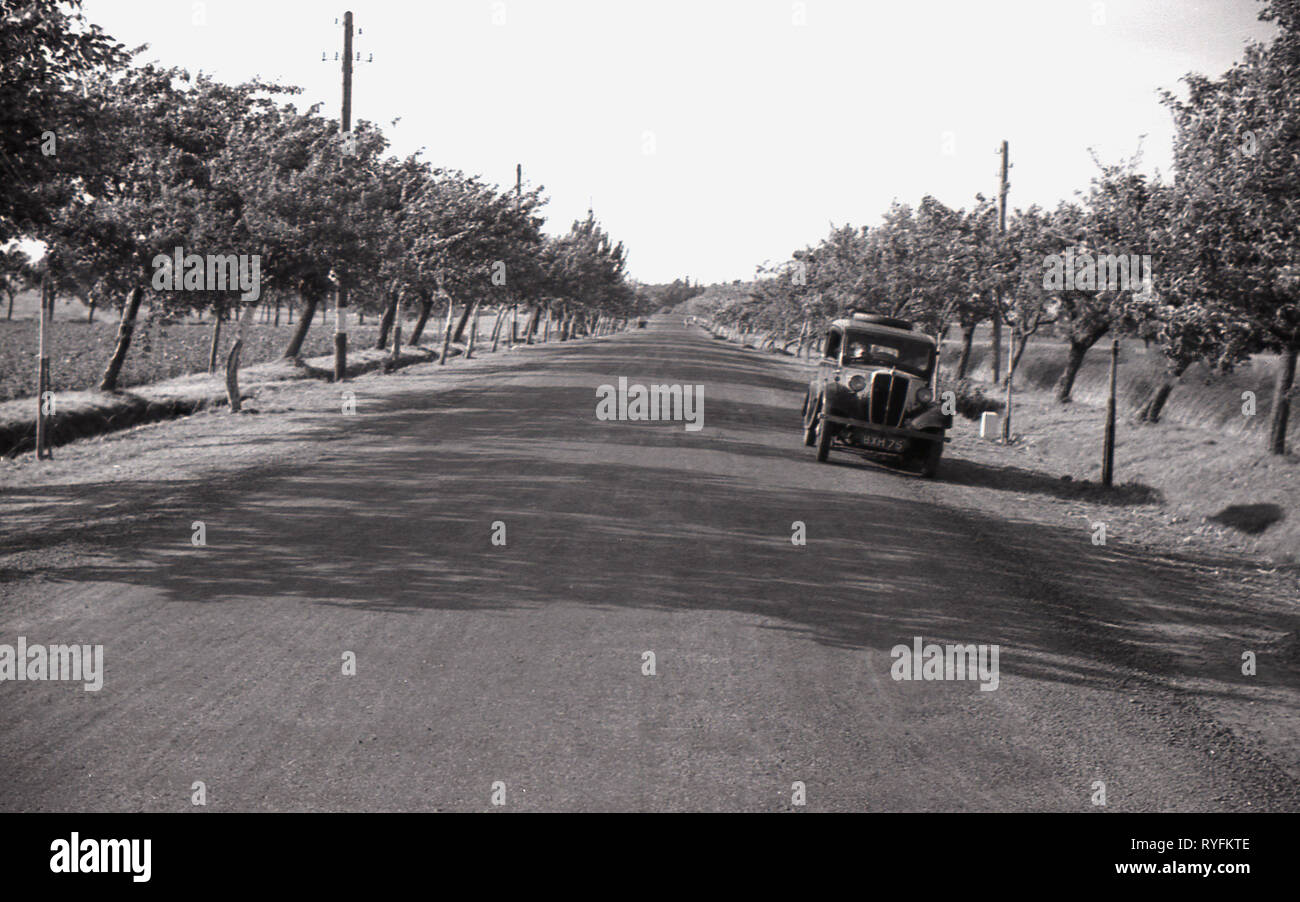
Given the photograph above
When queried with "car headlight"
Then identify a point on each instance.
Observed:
(924, 396)
(857, 382)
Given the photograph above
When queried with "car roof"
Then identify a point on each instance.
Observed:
(857, 326)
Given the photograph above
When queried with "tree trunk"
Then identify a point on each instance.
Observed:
(1074, 359)
(426, 307)
(473, 332)
(459, 334)
(233, 376)
(304, 323)
(496, 328)
(216, 341)
(90, 312)
(1155, 402)
(386, 322)
(397, 332)
(232, 362)
(1282, 401)
(124, 331)
(967, 339)
(11, 304)
(530, 326)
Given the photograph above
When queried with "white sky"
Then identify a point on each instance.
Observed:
(763, 131)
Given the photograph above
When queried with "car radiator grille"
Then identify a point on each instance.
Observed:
(888, 398)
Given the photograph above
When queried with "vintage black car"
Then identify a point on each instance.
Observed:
(872, 394)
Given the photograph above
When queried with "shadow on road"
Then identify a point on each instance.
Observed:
(1022, 481)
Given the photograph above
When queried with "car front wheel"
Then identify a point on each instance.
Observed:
(810, 411)
(823, 437)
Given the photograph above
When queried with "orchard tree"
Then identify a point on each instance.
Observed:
(312, 205)
(1022, 302)
(1113, 227)
(46, 48)
(1236, 201)
(16, 273)
(982, 250)
(149, 142)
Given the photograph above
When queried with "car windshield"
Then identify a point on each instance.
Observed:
(888, 350)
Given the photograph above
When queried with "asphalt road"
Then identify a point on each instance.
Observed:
(523, 663)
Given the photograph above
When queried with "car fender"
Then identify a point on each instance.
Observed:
(840, 400)
(932, 418)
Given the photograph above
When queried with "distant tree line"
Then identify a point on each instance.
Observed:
(667, 296)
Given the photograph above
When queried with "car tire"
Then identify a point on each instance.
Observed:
(810, 412)
(823, 435)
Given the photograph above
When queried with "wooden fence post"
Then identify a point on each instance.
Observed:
(1108, 442)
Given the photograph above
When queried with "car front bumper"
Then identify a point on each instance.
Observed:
(890, 431)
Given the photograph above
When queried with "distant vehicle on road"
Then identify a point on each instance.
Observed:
(872, 396)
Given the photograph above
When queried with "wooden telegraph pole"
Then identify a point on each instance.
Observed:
(996, 350)
(1108, 444)
(43, 396)
(514, 309)
(996, 347)
(1006, 417)
(340, 289)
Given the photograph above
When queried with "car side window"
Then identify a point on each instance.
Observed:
(832, 345)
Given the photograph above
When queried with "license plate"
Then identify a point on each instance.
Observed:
(883, 443)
